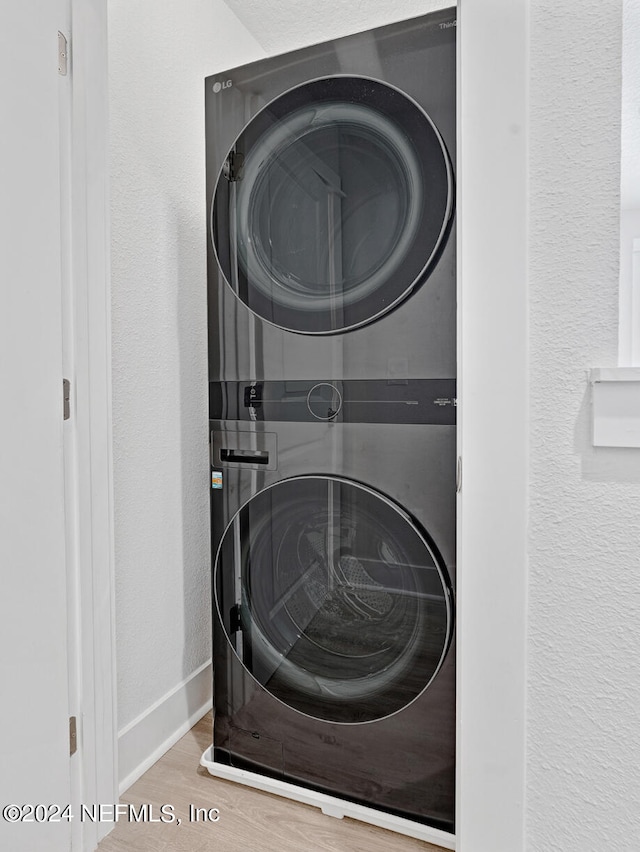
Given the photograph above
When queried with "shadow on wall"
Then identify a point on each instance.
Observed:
(602, 464)
(191, 318)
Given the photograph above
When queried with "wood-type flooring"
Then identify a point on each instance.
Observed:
(249, 820)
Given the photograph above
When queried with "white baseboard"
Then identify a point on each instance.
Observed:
(142, 742)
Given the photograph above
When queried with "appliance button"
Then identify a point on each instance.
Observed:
(324, 401)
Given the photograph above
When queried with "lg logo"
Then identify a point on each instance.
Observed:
(218, 86)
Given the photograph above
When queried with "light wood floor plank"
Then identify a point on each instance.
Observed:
(250, 820)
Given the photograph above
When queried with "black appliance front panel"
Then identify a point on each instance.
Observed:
(427, 401)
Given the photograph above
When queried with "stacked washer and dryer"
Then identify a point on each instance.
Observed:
(332, 357)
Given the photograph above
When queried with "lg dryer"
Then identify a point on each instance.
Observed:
(330, 198)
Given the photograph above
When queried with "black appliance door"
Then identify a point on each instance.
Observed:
(333, 598)
(332, 205)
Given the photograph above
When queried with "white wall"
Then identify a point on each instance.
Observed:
(160, 52)
(584, 594)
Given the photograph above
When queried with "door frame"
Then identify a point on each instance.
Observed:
(493, 432)
(493, 53)
(90, 492)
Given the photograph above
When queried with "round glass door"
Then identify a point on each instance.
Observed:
(332, 205)
(333, 599)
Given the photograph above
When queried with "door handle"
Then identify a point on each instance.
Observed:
(244, 456)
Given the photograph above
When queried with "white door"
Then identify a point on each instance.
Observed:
(34, 712)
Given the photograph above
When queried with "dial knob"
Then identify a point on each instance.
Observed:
(324, 401)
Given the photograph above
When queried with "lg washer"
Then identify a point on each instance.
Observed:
(334, 549)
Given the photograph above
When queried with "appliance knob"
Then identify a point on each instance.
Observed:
(324, 401)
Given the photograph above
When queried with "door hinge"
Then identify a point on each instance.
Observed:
(63, 54)
(66, 399)
(73, 736)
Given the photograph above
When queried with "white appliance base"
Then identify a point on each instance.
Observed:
(330, 805)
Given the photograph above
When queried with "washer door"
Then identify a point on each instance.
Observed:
(332, 205)
(333, 599)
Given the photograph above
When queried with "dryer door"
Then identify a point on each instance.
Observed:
(332, 205)
(333, 599)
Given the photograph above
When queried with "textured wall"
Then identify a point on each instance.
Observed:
(584, 692)
(283, 25)
(160, 52)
